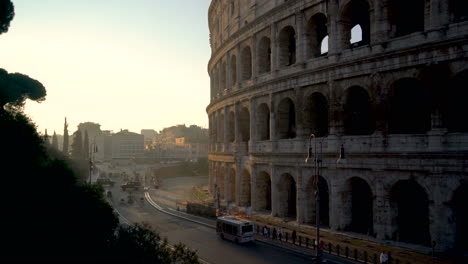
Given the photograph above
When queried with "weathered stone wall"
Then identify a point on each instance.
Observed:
(392, 101)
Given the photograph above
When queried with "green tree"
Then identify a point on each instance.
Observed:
(7, 12)
(54, 141)
(65, 138)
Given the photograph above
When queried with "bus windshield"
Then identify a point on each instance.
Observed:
(246, 229)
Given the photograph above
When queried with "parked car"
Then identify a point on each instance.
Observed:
(105, 181)
(131, 185)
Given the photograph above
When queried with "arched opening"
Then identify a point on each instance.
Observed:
(455, 116)
(315, 33)
(287, 196)
(230, 127)
(223, 77)
(357, 112)
(286, 119)
(359, 204)
(459, 205)
(245, 198)
(410, 207)
(316, 115)
(311, 216)
(232, 185)
(263, 191)
(406, 16)
(356, 35)
(263, 122)
(216, 82)
(246, 63)
(459, 10)
(220, 181)
(324, 46)
(356, 12)
(264, 55)
(233, 70)
(287, 46)
(410, 107)
(244, 125)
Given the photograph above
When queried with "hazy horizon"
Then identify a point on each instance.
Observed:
(116, 63)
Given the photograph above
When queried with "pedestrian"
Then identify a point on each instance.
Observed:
(383, 257)
(265, 232)
(294, 236)
(273, 236)
(280, 234)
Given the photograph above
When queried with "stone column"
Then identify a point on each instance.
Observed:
(301, 197)
(236, 123)
(300, 38)
(380, 25)
(226, 120)
(252, 121)
(238, 67)
(382, 210)
(299, 103)
(254, 57)
(274, 192)
(238, 165)
(437, 132)
(333, 29)
(273, 134)
(274, 47)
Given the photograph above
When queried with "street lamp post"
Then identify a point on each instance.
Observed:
(317, 164)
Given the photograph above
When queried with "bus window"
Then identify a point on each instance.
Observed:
(246, 229)
(234, 230)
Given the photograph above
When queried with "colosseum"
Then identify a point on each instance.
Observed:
(373, 93)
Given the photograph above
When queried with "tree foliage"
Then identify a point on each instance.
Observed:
(7, 12)
(77, 146)
(15, 88)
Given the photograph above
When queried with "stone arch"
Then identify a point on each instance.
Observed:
(459, 206)
(287, 46)
(316, 115)
(263, 191)
(311, 202)
(357, 112)
(245, 195)
(315, 32)
(406, 16)
(264, 55)
(455, 117)
(286, 119)
(263, 122)
(358, 202)
(410, 212)
(246, 66)
(287, 194)
(459, 10)
(232, 184)
(244, 125)
(230, 134)
(233, 70)
(410, 110)
(223, 76)
(355, 12)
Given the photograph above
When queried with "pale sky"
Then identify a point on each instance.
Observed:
(133, 65)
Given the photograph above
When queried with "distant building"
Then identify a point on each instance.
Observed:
(104, 146)
(127, 145)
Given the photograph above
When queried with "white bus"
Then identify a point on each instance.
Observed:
(236, 229)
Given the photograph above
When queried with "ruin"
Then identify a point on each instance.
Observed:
(384, 79)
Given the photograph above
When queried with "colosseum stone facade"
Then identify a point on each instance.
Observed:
(383, 83)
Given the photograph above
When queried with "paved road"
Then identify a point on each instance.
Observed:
(201, 238)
